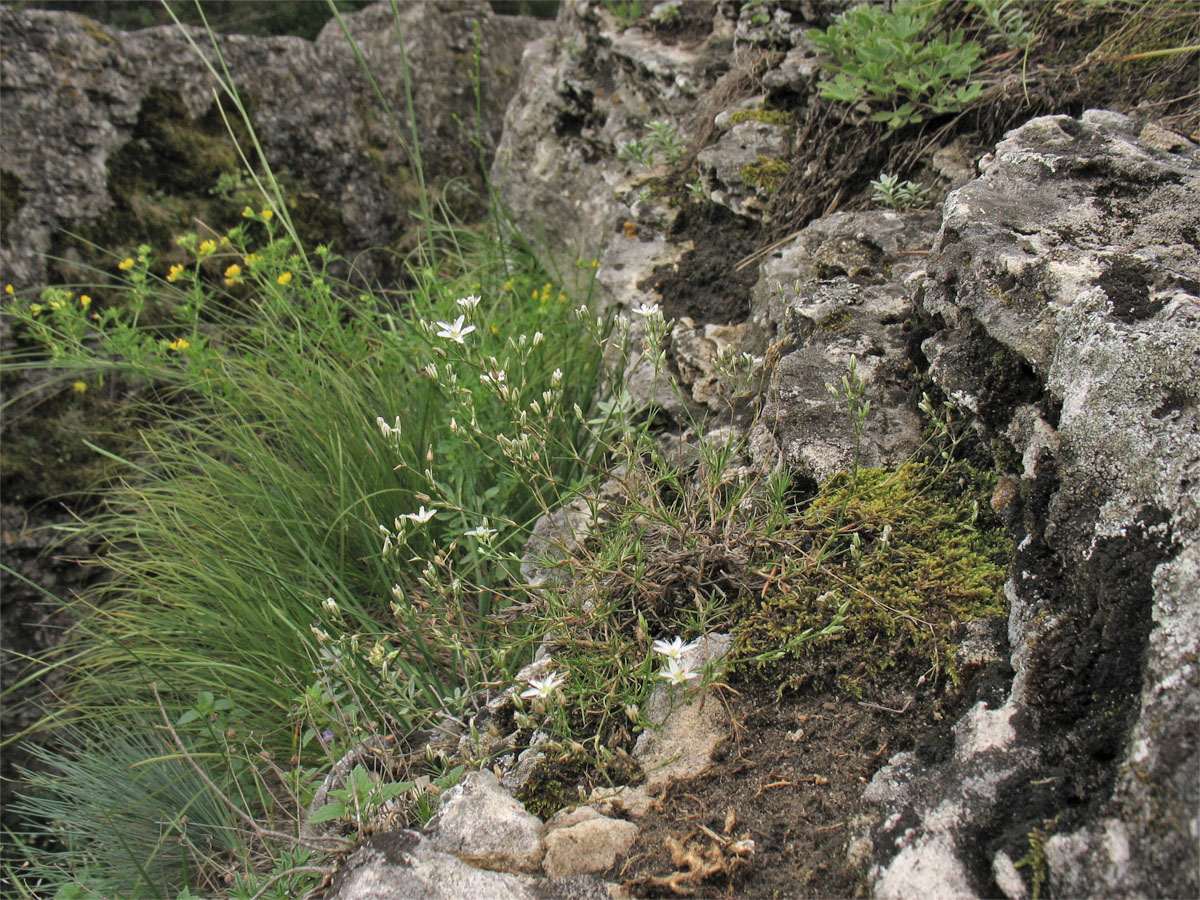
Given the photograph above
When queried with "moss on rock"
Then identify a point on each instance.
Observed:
(766, 116)
(909, 554)
(765, 174)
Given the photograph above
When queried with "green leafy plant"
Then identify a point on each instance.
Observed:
(666, 14)
(662, 137)
(628, 12)
(360, 799)
(890, 191)
(887, 58)
(1005, 19)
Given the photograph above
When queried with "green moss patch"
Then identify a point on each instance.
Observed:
(906, 555)
(765, 174)
(766, 116)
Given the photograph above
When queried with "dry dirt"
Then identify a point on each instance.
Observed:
(790, 780)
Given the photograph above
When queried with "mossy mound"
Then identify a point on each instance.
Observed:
(904, 556)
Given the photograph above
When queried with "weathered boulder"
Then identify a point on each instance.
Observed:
(581, 841)
(587, 91)
(1063, 308)
(840, 289)
(403, 865)
(99, 122)
(481, 823)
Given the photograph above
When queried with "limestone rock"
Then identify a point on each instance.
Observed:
(75, 94)
(842, 288)
(585, 92)
(404, 865)
(687, 727)
(736, 170)
(583, 841)
(481, 823)
(1063, 307)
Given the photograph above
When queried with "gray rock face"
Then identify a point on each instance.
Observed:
(74, 90)
(402, 865)
(1063, 307)
(839, 290)
(583, 841)
(586, 91)
(481, 823)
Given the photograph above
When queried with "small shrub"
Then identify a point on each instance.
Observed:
(887, 58)
(890, 191)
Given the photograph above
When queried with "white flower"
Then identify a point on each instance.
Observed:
(332, 606)
(544, 688)
(646, 310)
(676, 672)
(454, 331)
(481, 531)
(495, 376)
(556, 378)
(388, 430)
(672, 650)
(420, 517)
(467, 303)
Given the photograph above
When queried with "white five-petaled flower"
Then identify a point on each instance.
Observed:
(676, 672)
(544, 688)
(646, 310)
(454, 331)
(420, 517)
(672, 649)
(468, 303)
(481, 531)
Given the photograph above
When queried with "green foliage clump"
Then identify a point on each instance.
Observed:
(907, 554)
(628, 12)
(890, 191)
(888, 58)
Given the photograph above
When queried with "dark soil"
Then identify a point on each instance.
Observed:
(705, 285)
(693, 24)
(790, 780)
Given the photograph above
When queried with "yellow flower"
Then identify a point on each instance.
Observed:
(85, 301)
(179, 345)
(175, 273)
(126, 264)
(8, 289)
(233, 275)
(207, 248)
(224, 240)
(267, 215)
(508, 285)
(285, 278)
(79, 387)
(535, 295)
(252, 259)
(247, 213)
